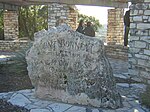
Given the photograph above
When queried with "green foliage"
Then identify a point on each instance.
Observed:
(96, 23)
(1, 24)
(35, 18)
(1, 20)
(145, 97)
(32, 19)
(20, 64)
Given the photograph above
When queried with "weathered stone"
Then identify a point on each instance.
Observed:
(141, 56)
(146, 1)
(134, 38)
(140, 44)
(133, 12)
(145, 17)
(129, 55)
(141, 6)
(147, 52)
(12, 45)
(132, 60)
(142, 26)
(19, 99)
(141, 12)
(134, 50)
(147, 12)
(117, 51)
(145, 74)
(137, 18)
(115, 26)
(11, 30)
(132, 25)
(71, 67)
(40, 110)
(148, 81)
(145, 38)
(133, 72)
(142, 62)
(58, 13)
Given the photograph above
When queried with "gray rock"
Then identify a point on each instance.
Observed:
(40, 110)
(19, 100)
(68, 66)
(59, 107)
(126, 85)
(76, 109)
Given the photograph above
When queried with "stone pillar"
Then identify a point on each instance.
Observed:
(73, 17)
(115, 26)
(58, 13)
(11, 31)
(139, 51)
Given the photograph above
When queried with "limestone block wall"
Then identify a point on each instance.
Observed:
(112, 51)
(115, 26)
(139, 52)
(73, 18)
(60, 13)
(12, 45)
(117, 52)
(11, 31)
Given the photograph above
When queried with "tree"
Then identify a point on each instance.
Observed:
(32, 19)
(1, 25)
(96, 23)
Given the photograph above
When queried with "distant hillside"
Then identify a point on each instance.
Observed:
(102, 34)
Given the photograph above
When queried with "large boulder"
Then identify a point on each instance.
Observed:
(67, 66)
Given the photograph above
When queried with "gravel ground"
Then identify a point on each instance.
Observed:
(10, 80)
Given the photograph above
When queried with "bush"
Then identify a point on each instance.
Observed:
(20, 64)
(145, 97)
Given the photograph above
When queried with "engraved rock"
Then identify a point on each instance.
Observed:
(70, 67)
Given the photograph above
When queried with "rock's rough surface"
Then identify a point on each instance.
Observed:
(71, 67)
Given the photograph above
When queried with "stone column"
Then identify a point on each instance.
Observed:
(115, 26)
(11, 31)
(139, 51)
(58, 13)
(73, 17)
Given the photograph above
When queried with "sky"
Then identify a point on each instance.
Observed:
(98, 12)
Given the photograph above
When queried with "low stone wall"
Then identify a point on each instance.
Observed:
(112, 51)
(11, 25)
(12, 45)
(117, 51)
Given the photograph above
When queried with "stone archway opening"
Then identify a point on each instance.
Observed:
(113, 37)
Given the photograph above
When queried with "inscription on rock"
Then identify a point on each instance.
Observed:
(71, 67)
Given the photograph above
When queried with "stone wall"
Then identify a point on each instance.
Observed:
(12, 45)
(10, 25)
(117, 52)
(115, 26)
(73, 18)
(59, 13)
(139, 52)
(112, 51)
